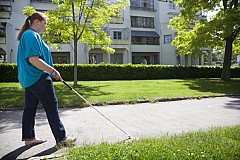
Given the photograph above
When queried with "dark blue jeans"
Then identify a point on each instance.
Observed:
(42, 91)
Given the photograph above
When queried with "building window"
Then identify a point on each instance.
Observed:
(95, 58)
(61, 57)
(5, 8)
(142, 4)
(5, 11)
(140, 59)
(145, 40)
(2, 55)
(167, 38)
(172, 5)
(92, 58)
(137, 40)
(117, 35)
(152, 40)
(3, 33)
(145, 58)
(142, 22)
(116, 58)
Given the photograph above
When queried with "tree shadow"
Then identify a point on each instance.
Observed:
(12, 97)
(215, 86)
(234, 104)
(14, 154)
(10, 120)
(69, 97)
(13, 119)
(46, 152)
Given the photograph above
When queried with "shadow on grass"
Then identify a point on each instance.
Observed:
(215, 86)
(69, 98)
(12, 97)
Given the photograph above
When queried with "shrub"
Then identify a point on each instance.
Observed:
(8, 72)
(100, 72)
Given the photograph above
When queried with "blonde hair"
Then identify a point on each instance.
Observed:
(29, 21)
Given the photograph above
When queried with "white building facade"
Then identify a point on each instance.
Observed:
(142, 35)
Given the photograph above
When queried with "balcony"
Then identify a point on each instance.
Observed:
(43, 5)
(5, 15)
(2, 40)
(2, 55)
(145, 38)
(142, 8)
(3, 32)
(120, 42)
(5, 11)
(143, 25)
(145, 48)
(119, 36)
(42, 1)
(116, 21)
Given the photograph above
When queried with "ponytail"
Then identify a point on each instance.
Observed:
(29, 21)
(25, 27)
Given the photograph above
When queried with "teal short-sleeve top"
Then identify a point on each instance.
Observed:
(31, 44)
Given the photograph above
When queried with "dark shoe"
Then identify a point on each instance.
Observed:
(34, 142)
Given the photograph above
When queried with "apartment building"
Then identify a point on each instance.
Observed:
(140, 36)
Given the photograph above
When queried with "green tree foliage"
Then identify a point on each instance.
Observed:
(221, 31)
(28, 11)
(82, 21)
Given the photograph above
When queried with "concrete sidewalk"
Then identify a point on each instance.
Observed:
(138, 120)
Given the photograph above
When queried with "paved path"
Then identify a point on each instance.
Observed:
(138, 120)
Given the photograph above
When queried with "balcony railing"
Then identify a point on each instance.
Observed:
(4, 15)
(143, 26)
(5, 11)
(2, 40)
(120, 41)
(145, 43)
(42, 1)
(142, 8)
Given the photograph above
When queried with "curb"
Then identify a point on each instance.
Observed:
(132, 102)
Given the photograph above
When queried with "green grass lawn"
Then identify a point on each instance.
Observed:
(216, 144)
(102, 92)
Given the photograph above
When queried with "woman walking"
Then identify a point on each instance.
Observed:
(35, 69)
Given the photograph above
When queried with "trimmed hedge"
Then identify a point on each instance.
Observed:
(8, 72)
(97, 72)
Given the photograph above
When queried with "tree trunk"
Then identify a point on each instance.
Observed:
(225, 76)
(75, 40)
(75, 62)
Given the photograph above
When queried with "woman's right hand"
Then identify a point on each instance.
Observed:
(56, 75)
(40, 64)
